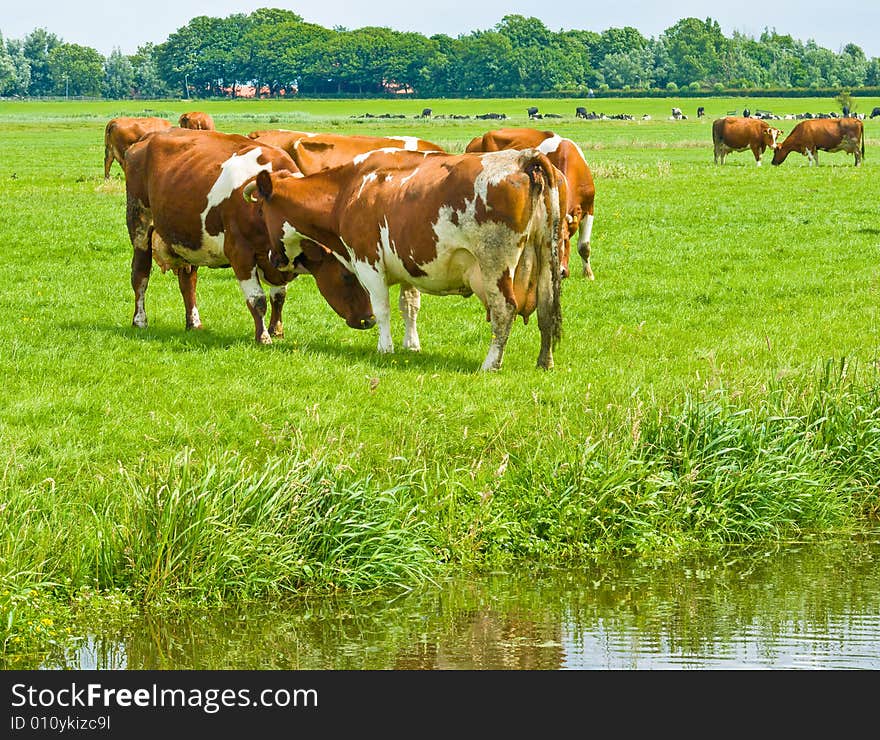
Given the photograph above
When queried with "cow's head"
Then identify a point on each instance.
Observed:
(780, 153)
(772, 137)
(292, 252)
(339, 286)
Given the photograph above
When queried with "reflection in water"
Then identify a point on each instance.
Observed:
(801, 607)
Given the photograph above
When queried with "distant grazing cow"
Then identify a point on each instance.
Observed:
(828, 134)
(315, 152)
(444, 224)
(196, 120)
(676, 113)
(532, 111)
(580, 112)
(489, 116)
(121, 133)
(746, 113)
(426, 113)
(569, 159)
(732, 134)
(701, 111)
(185, 209)
(875, 112)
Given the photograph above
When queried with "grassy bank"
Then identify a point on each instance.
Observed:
(716, 384)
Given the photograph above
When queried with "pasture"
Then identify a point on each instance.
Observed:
(717, 383)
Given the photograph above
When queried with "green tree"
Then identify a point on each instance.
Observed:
(202, 55)
(695, 50)
(21, 75)
(634, 68)
(36, 48)
(75, 70)
(852, 66)
(485, 64)
(7, 70)
(617, 41)
(118, 75)
(146, 81)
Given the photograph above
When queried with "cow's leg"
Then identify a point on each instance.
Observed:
(187, 277)
(585, 231)
(374, 283)
(108, 161)
(140, 232)
(141, 264)
(502, 311)
(757, 151)
(410, 301)
(814, 158)
(277, 295)
(255, 297)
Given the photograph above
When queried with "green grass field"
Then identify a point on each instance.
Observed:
(716, 384)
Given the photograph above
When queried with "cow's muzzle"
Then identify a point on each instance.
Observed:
(367, 323)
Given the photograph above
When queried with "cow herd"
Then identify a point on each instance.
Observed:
(363, 213)
(360, 214)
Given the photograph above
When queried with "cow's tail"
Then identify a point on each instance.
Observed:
(108, 148)
(545, 191)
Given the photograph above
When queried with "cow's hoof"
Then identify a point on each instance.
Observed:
(264, 338)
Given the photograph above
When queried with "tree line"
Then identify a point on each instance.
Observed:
(278, 53)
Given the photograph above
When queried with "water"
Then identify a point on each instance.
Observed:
(801, 606)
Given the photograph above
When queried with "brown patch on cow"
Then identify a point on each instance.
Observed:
(314, 146)
(505, 285)
(213, 222)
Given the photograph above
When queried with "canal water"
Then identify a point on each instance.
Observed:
(798, 606)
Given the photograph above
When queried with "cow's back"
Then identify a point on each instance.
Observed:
(507, 138)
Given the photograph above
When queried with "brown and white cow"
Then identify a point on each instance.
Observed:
(438, 223)
(828, 134)
(196, 120)
(120, 133)
(315, 152)
(735, 134)
(569, 159)
(185, 209)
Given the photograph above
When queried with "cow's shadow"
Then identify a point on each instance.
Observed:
(290, 346)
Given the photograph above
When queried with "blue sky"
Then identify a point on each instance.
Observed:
(105, 24)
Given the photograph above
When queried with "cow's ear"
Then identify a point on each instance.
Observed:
(264, 184)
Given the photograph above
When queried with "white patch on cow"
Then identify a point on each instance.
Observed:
(548, 146)
(496, 167)
(234, 172)
(409, 177)
(586, 230)
(251, 288)
(363, 157)
(292, 240)
(371, 177)
(373, 280)
(140, 315)
(194, 319)
(410, 143)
